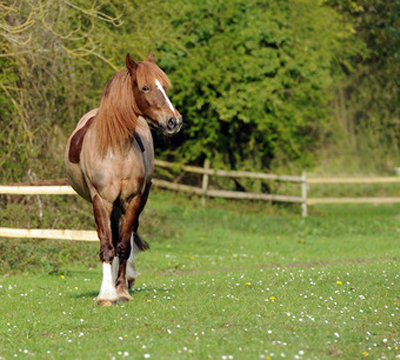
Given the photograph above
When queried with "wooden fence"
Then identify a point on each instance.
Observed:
(205, 191)
(357, 200)
(48, 188)
(304, 182)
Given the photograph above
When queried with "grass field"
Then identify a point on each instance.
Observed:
(224, 282)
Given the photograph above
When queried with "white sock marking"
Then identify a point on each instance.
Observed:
(107, 289)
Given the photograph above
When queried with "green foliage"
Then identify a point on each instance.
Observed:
(367, 100)
(63, 55)
(252, 82)
(260, 84)
(8, 113)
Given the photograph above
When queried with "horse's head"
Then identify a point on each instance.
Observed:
(149, 89)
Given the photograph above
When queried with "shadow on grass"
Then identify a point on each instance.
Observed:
(89, 294)
(133, 292)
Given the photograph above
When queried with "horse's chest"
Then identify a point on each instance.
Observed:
(119, 175)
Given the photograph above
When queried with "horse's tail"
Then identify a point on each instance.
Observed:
(141, 244)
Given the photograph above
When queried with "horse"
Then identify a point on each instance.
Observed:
(109, 161)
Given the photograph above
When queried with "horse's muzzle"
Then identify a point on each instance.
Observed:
(172, 125)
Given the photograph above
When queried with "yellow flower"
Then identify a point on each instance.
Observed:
(365, 354)
(272, 298)
(192, 257)
(62, 277)
(339, 282)
(125, 336)
(248, 284)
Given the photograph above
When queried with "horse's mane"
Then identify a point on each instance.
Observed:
(118, 113)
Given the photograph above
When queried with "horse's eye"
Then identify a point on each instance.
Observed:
(146, 88)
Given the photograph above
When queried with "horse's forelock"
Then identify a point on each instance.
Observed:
(147, 74)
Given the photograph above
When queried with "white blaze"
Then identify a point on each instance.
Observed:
(159, 87)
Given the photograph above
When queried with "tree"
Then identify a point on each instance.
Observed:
(56, 58)
(368, 98)
(252, 79)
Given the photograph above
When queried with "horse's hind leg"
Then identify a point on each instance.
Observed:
(137, 243)
(131, 272)
(102, 214)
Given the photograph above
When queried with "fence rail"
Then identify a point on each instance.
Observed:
(228, 173)
(355, 180)
(73, 235)
(360, 200)
(37, 190)
(60, 187)
(205, 192)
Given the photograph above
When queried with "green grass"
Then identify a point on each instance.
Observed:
(228, 281)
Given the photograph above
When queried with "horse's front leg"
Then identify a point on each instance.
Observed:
(102, 214)
(129, 243)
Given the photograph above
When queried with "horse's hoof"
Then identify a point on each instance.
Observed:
(131, 282)
(105, 302)
(124, 299)
(123, 295)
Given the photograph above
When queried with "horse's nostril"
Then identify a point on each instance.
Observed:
(171, 123)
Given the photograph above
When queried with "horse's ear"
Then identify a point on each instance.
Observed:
(150, 58)
(131, 64)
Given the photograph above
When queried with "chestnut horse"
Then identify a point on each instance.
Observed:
(110, 160)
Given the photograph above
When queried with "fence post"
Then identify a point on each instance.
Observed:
(304, 194)
(204, 186)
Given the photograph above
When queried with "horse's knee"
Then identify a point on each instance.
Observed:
(106, 253)
(124, 250)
